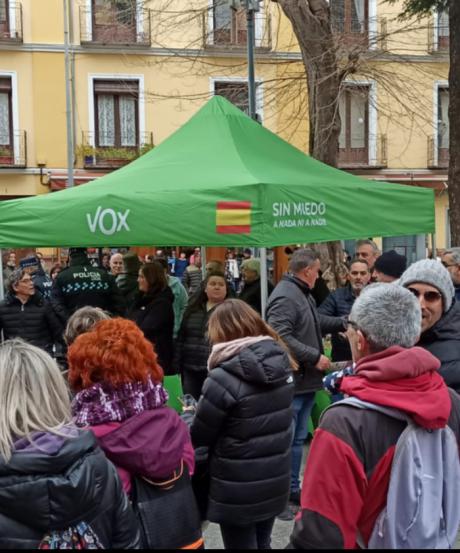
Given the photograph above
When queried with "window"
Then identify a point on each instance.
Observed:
(114, 21)
(235, 92)
(4, 19)
(354, 132)
(350, 16)
(230, 26)
(117, 113)
(6, 118)
(443, 126)
(443, 30)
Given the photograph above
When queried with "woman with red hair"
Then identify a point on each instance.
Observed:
(119, 394)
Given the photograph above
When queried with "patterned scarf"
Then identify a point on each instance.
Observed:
(103, 402)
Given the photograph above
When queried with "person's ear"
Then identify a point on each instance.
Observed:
(362, 342)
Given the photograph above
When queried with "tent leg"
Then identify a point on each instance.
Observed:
(203, 262)
(263, 281)
(2, 292)
(433, 245)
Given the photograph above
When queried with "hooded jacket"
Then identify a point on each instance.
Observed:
(70, 482)
(349, 464)
(291, 311)
(34, 321)
(180, 301)
(244, 416)
(154, 315)
(443, 341)
(151, 444)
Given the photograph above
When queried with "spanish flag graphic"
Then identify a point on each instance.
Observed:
(233, 218)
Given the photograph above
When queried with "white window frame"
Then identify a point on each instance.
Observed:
(436, 86)
(258, 24)
(259, 90)
(12, 18)
(89, 18)
(372, 112)
(92, 108)
(15, 110)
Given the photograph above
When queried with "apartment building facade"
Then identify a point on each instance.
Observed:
(140, 68)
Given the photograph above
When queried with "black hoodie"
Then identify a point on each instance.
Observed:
(244, 416)
(443, 341)
(51, 491)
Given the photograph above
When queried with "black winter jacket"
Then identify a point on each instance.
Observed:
(34, 321)
(292, 313)
(443, 341)
(155, 317)
(251, 294)
(244, 416)
(80, 285)
(192, 346)
(129, 287)
(40, 492)
(339, 304)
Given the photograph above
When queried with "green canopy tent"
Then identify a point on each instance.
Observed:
(220, 180)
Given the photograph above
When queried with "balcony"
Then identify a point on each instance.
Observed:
(15, 154)
(351, 32)
(358, 158)
(111, 157)
(438, 37)
(437, 157)
(11, 23)
(234, 36)
(111, 27)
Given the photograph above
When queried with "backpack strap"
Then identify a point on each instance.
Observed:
(360, 404)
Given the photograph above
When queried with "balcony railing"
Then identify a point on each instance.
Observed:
(235, 34)
(109, 26)
(111, 157)
(438, 38)
(11, 23)
(437, 157)
(361, 157)
(351, 31)
(15, 153)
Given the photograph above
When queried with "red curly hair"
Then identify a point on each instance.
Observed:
(114, 351)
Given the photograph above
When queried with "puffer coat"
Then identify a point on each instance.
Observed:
(73, 483)
(192, 346)
(244, 416)
(34, 321)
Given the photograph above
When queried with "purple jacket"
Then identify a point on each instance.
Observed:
(150, 444)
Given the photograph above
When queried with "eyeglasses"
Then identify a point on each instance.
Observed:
(430, 297)
(446, 265)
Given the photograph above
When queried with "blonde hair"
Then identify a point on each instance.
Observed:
(234, 319)
(83, 320)
(34, 395)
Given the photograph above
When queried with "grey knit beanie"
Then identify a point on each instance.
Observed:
(429, 271)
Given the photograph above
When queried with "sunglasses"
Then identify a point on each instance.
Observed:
(430, 297)
(447, 265)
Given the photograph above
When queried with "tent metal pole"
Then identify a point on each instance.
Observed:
(2, 292)
(203, 262)
(263, 281)
(433, 245)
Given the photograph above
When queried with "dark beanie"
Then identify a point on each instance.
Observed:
(73, 252)
(391, 263)
(131, 262)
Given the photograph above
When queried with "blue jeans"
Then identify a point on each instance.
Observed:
(301, 409)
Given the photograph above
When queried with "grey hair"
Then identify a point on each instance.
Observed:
(367, 242)
(14, 279)
(302, 258)
(455, 253)
(35, 396)
(83, 320)
(388, 315)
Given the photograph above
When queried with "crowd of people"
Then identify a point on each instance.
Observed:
(92, 455)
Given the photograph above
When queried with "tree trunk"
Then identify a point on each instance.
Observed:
(454, 118)
(311, 23)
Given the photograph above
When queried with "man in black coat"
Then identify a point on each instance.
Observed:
(340, 302)
(251, 289)
(25, 314)
(81, 284)
(292, 313)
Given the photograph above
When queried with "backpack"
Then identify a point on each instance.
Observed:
(423, 501)
(167, 512)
